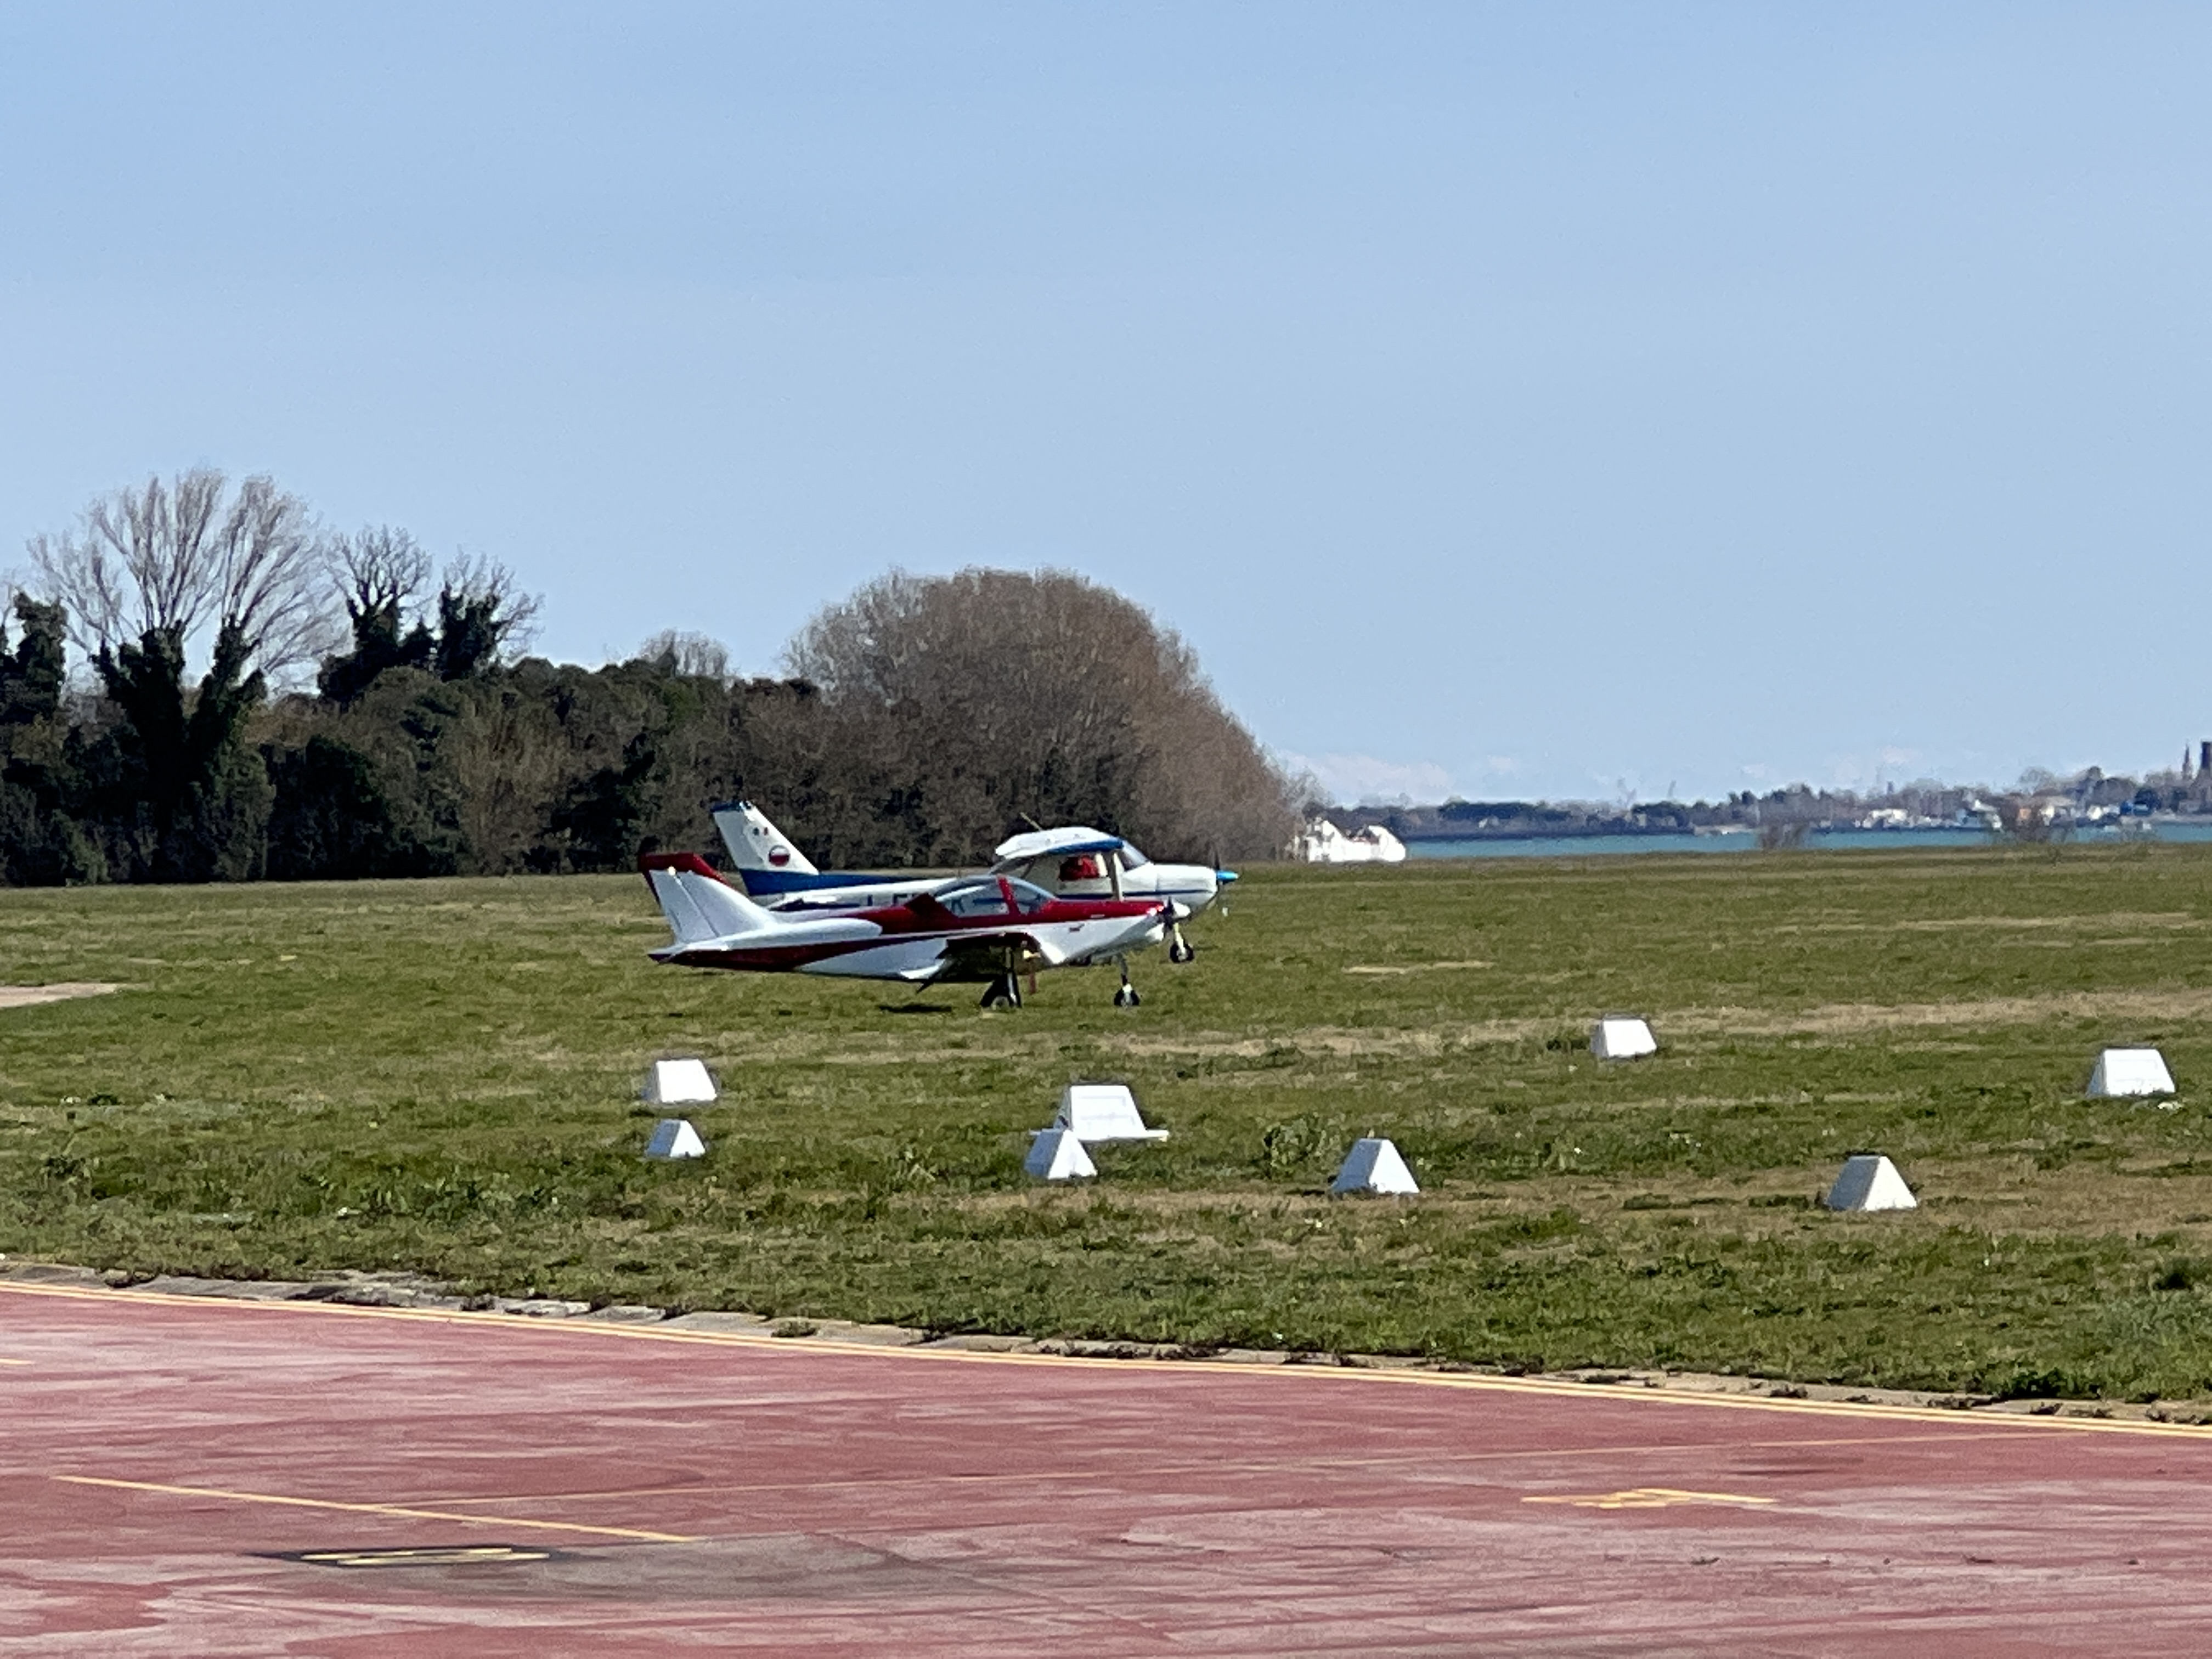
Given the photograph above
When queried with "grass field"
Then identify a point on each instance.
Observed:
(441, 1076)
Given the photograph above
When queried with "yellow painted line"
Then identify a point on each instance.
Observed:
(401, 1511)
(15, 1362)
(1649, 1498)
(763, 1342)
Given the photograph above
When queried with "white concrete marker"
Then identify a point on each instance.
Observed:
(674, 1137)
(1870, 1181)
(1373, 1166)
(678, 1083)
(1622, 1036)
(1058, 1155)
(2130, 1072)
(1100, 1112)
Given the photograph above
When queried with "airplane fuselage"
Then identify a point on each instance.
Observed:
(980, 929)
(1188, 888)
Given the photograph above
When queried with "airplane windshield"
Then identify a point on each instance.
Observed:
(1027, 899)
(1132, 859)
(973, 898)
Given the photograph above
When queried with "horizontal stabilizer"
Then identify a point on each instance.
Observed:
(699, 904)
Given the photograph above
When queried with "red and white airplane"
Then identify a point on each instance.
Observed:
(1072, 862)
(988, 928)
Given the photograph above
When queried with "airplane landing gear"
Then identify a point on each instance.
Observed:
(1125, 995)
(1180, 949)
(1006, 990)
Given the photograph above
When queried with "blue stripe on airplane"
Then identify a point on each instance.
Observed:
(759, 882)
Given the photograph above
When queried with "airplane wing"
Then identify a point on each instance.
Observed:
(1047, 843)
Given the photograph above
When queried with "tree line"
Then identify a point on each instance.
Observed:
(199, 684)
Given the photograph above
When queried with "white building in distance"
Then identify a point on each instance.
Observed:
(1323, 842)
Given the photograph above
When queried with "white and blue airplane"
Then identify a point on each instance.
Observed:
(1074, 862)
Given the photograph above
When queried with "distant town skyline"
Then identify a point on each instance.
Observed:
(1353, 780)
(2185, 768)
(1549, 403)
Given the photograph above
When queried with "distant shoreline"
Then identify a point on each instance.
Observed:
(2163, 823)
(1842, 838)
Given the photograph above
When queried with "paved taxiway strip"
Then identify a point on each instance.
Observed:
(182, 1476)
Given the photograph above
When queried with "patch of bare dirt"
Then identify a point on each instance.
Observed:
(28, 996)
(1844, 1019)
(1338, 1040)
(1411, 967)
(1851, 1018)
(2172, 921)
(2080, 1201)
(2006, 1197)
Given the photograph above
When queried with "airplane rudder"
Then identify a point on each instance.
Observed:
(757, 844)
(684, 917)
(726, 908)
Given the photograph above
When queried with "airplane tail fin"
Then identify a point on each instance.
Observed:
(757, 844)
(699, 904)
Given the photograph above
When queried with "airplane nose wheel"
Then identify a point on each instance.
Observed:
(1180, 949)
(1005, 990)
(1125, 995)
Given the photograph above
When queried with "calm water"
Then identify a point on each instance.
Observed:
(1581, 847)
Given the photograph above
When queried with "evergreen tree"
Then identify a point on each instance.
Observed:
(42, 844)
(378, 645)
(187, 796)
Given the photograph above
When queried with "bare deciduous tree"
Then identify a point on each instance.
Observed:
(181, 557)
(990, 697)
(380, 569)
(688, 654)
(271, 578)
(483, 616)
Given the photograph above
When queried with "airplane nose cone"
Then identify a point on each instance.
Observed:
(1223, 877)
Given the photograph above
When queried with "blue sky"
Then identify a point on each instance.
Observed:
(1552, 400)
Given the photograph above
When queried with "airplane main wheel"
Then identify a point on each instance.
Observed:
(1125, 996)
(1180, 950)
(1006, 989)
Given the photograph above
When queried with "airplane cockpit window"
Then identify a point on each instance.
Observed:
(1027, 899)
(974, 898)
(1084, 867)
(1132, 859)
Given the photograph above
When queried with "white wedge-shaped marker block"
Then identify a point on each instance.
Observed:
(1373, 1166)
(1058, 1155)
(678, 1083)
(674, 1137)
(1100, 1112)
(1622, 1036)
(1870, 1181)
(2130, 1072)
